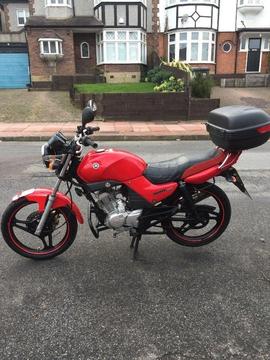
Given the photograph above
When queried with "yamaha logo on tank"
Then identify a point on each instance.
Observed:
(96, 166)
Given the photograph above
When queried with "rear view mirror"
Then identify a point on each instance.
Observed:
(89, 112)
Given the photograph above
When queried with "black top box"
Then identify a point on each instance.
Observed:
(237, 128)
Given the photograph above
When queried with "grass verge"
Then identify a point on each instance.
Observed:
(115, 88)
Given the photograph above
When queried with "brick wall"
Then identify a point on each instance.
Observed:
(241, 62)
(7, 20)
(153, 38)
(211, 67)
(85, 66)
(31, 7)
(117, 73)
(148, 107)
(40, 69)
(226, 61)
(265, 62)
(200, 108)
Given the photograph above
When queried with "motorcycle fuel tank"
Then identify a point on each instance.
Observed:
(109, 164)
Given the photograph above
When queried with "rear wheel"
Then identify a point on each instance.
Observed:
(19, 223)
(210, 219)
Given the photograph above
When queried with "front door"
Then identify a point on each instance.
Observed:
(254, 55)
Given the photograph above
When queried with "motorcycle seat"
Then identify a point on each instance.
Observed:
(178, 168)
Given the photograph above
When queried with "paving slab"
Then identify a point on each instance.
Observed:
(112, 130)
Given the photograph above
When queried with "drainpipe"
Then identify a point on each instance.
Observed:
(237, 40)
(30, 85)
(236, 53)
(73, 7)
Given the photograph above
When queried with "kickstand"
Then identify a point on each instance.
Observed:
(134, 245)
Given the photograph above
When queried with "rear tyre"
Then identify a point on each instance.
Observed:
(19, 223)
(213, 216)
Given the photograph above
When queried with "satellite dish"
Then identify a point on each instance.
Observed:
(184, 18)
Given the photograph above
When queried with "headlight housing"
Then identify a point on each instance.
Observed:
(54, 151)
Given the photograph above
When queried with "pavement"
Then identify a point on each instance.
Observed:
(37, 115)
(111, 130)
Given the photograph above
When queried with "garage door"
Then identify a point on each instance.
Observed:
(14, 72)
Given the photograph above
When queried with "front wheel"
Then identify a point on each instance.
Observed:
(209, 220)
(19, 223)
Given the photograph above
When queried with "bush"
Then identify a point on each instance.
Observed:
(179, 65)
(157, 76)
(171, 85)
(201, 86)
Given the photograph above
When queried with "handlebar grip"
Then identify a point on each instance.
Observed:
(90, 130)
(88, 142)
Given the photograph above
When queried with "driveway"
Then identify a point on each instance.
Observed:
(259, 97)
(36, 106)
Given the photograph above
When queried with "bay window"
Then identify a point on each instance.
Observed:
(192, 46)
(67, 3)
(50, 46)
(118, 15)
(121, 47)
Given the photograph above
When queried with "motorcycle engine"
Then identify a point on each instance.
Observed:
(118, 218)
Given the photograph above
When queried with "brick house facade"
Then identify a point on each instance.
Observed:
(117, 40)
(112, 38)
(226, 37)
(14, 64)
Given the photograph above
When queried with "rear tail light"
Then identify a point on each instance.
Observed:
(263, 129)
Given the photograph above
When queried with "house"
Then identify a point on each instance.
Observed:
(91, 40)
(227, 38)
(14, 62)
(81, 39)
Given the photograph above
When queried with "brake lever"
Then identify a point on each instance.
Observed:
(90, 130)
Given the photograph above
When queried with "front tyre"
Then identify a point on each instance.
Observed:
(213, 214)
(19, 223)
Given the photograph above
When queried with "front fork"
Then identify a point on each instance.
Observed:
(52, 197)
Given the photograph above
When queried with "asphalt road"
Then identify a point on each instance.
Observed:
(93, 302)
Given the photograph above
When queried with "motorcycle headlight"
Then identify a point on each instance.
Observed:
(53, 162)
(53, 152)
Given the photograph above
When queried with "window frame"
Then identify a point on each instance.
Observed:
(194, 43)
(100, 13)
(170, 3)
(102, 43)
(25, 16)
(66, 3)
(88, 50)
(58, 46)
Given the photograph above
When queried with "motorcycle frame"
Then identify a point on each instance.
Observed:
(196, 179)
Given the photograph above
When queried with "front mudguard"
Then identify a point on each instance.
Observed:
(40, 196)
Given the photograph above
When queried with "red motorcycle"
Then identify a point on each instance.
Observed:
(126, 194)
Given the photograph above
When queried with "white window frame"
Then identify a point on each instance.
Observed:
(189, 43)
(182, 2)
(264, 41)
(102, 42)
(25, 16)
(58, 46)
(250, 3)
(246, 39)
(66, 3)
(88, 50)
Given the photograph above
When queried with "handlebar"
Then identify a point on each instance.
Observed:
(88, 142)
(90, 130)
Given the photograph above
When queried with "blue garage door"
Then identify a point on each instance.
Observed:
(14, 72)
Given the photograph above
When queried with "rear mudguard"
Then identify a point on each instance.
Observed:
(40, 196)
